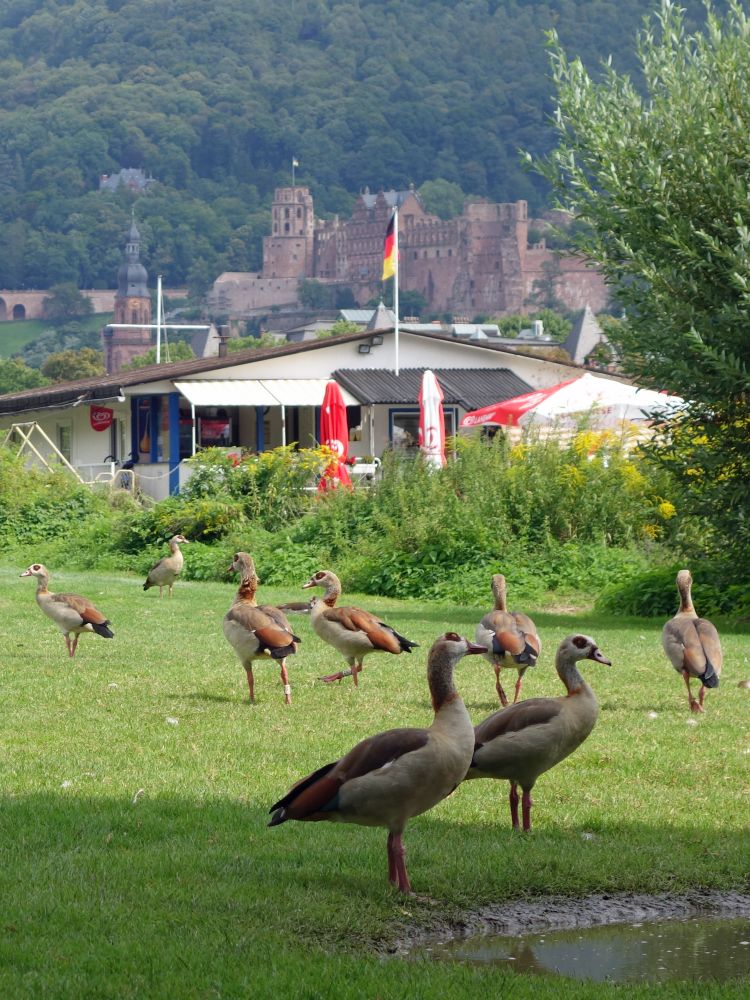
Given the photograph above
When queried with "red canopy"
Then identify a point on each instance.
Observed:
(334, 434)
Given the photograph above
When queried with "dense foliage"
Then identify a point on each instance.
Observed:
(661, 181)
(552, 519)
(212, 101)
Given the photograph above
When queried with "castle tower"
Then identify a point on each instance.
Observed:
(288, 251)
(132, 305)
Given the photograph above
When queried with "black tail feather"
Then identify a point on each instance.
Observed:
(278, 807)
(710, 678)
(102, 630)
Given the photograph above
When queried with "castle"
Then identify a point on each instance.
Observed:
(477, 263)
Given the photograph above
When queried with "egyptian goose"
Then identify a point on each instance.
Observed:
(511, 639)
(352, 631)
(692, 644)
(522, 741)
(257, 633)
(164, 572)
(72, 614)
(388, 778)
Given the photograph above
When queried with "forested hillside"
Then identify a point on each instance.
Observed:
(213, 98)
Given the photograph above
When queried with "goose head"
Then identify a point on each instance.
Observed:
(178, 540)
(581, 647)
(243, 564)
(323, 578)
(36, 569)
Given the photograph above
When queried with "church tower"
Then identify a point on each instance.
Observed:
(132, 305)
(288, 251)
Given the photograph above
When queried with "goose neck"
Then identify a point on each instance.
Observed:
(440, 679)
(570, 675)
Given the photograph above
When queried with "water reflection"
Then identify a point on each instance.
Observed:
(695, 949)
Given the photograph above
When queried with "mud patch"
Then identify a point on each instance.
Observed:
(561, 913)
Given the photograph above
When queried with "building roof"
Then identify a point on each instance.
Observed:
(470, 388)
(103, 387)
(584, 336)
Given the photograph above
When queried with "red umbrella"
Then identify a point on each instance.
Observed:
(334, 434)
(431, 420)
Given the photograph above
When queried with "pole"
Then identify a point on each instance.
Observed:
(294, 164)
(395, 281)
(158, 319)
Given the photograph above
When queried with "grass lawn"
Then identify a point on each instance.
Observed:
(136, 861)
(16, 334)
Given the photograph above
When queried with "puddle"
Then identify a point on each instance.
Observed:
(695, 950)
(630, 939)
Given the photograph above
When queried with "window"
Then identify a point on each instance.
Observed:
(64, 440)
(405, 428)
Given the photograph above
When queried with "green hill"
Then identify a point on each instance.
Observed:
(15, 335)
(215, 99)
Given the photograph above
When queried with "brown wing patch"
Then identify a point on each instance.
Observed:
(352, 619)
(272, 636)
(377, 751)
(310, 801)
(523, 715)
(512, 642)
(84, 607)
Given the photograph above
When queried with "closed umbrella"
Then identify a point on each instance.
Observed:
(334, 434)
(431, 420)
(607, 400)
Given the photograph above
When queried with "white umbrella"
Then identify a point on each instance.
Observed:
(608, 401)
(431, 420)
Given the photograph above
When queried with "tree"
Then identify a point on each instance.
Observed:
(63, 366)
(661, 181)
(315, 295)
(65, 302)
(15, 376)
(179, 351)
(442, 198)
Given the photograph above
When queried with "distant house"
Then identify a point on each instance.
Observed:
(260, 399)
(132, 178)
(585, 337)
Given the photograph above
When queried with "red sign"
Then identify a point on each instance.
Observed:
(100, 417)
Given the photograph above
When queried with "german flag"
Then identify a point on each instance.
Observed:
(389, 250)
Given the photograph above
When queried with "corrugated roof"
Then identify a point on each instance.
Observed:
(470, 388)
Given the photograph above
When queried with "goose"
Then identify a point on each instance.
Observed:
(257, 633)
(511, 639)
(522, 741)
(352, 631)
(388, 778)
(164, 572)
(692, 644)
(72, 614)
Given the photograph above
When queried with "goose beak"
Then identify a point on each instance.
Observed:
(26, 572)
(472, 647)
(310, 583)
(596, 654)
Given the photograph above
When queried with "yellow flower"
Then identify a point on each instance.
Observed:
(666, 509)
(634, 479)
(518, 452)
(572, 475)
(651, 530)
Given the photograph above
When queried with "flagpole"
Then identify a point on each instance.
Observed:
(294, 164)
(395, 281)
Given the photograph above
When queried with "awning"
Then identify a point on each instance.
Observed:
(258, 392)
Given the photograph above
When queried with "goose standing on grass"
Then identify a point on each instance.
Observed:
(352, 631)
(522, 741)
(692, 644)
(257, 633)
(72, 614)
(511, 639)
(388, 778)
(164, 572)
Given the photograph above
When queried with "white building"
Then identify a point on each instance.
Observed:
(261, 399)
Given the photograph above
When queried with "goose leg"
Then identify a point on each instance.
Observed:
(702, 695)
(392, 867)
(338, 676)
(170, 590)
(518, 684)
(398, 854)
(499, 688)
(160, 591)
(513, 799)
(285, 682)
(526, 804)
(74, 644)
(71, 651)
(695, 706)
(357, 666)
(250, 682)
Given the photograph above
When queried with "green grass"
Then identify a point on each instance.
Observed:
(16, 334)
(136, 861)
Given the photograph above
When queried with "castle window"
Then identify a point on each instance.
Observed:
(299, 213)
(437, 253)
(134, 316)
(450, 253)
(275, 228)
(286, 213)
(416, 254)
(286, 227)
